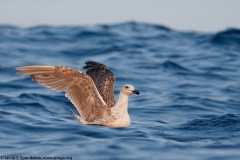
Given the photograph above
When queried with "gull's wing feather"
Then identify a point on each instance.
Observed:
(79, 87)
(104, 80)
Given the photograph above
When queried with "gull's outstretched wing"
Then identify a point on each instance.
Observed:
(103, 79)
(79, 87)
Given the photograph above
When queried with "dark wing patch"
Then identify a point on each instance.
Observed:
(103, 79)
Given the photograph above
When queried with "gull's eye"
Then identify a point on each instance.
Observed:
(126, 87)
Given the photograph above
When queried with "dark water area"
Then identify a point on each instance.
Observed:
(189, 107)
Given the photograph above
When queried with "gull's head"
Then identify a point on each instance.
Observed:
(129, 89)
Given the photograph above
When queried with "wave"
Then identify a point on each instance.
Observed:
(227, 37)
(226, 123)
(174, 67)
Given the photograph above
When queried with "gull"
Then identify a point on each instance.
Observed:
(92, 93)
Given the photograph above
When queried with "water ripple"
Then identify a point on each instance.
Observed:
(189, 83)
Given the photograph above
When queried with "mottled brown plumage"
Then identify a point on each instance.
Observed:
(103, 79)
(79, 88)
(92, 93)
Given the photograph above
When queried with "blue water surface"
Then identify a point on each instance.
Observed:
(188, 109)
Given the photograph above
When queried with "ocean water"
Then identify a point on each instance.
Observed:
(188, 109)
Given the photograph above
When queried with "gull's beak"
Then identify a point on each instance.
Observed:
(136, 92)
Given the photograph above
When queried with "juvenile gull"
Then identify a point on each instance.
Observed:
(91, 93)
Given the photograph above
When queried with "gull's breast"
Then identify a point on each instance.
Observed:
(122, 120)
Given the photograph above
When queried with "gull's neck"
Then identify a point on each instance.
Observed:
(122, 103)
